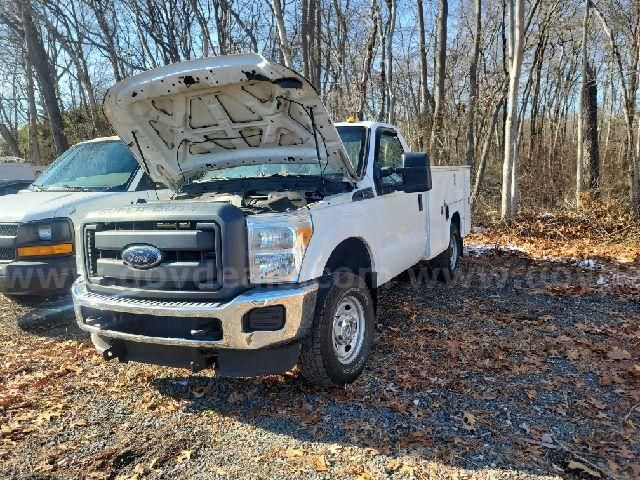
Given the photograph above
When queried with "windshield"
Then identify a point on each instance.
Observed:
(354, 140)
(92, 166)
(264, 170)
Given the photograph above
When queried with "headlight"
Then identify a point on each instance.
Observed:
(45, 238)
(277, 244)
(44, 232)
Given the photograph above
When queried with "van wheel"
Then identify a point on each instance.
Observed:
(445, 265)
(338, 346)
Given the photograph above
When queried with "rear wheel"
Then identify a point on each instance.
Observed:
(445, 265)
(338, 346)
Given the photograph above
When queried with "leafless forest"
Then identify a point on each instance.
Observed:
(538, 96)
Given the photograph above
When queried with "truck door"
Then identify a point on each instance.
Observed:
(401, 216)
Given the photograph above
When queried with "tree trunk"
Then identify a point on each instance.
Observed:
(34, 146)
(317, 47)
(391, 27)
(9, 138)
(635, 183)
(368, 60)
(423, 139)
(628, 103)
(108, 36)
(441, 64)
(581, 103)
(304, 39)
(510, 164)
(40, 61)
(473, 85)
(383, 70)
(591, 130)
(282, 33)
(485, 149)
(204, 28)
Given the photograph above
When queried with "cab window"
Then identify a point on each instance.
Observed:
(389, 153)
(354, 139)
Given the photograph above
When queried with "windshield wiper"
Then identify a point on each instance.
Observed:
(70, 188)
(36, 187)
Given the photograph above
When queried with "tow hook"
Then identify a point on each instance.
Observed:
(202, 361)
(116, 350)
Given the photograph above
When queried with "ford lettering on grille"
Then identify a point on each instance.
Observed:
(142, 257)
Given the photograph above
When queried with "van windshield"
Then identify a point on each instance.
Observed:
(92, 166)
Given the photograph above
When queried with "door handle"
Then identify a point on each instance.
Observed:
(420, 204)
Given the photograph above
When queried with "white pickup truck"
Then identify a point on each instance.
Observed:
(282, 227)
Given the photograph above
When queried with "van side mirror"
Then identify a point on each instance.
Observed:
(416, 171)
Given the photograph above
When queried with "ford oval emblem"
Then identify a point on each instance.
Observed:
(142, 257)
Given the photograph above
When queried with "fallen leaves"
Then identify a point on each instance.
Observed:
(448, 376)
(320, 463)
(468, 421)
(617, 353)
(201, 391)
(184, 456)
(581, 467)
(293, 452)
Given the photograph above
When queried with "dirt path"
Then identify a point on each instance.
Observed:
(519, 369)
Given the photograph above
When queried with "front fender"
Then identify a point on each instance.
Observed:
(328, 233)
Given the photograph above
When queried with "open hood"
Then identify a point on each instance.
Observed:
(220, 112)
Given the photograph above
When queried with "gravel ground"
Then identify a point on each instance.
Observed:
(518, 369)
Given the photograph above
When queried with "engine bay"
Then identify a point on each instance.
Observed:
(262, 201)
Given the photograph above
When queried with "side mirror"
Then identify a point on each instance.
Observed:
(416, 172)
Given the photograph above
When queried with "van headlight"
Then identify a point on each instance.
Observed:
(45, 238)
(277, 244)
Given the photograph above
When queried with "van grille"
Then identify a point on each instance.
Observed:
(189, 255)
(7, 254)
(8, 230)
(7, 250)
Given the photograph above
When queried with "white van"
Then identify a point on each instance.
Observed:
(37, 226)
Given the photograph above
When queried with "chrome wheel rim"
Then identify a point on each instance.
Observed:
(453, 245)
(348, 329)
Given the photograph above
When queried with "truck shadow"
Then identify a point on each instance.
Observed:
(474, 374)
(51, 318)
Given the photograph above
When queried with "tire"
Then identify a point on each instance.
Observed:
(445, 265)
(336, 350)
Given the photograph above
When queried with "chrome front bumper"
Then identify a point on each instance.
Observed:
(298, 301)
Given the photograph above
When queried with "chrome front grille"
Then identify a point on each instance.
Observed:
(189, 255)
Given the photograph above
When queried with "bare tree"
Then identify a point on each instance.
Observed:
(510, 164)
(46, 81)
(591, 130)
(437, 142)
(391, 27)
(7, 135)
(581, 102)
(282, 32)
(368, 60)
(473, 84)
(426, 101)
(34, 146)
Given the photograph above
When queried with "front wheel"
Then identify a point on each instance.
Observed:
(338, 346)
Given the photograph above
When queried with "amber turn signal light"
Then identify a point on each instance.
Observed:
(45, 250)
